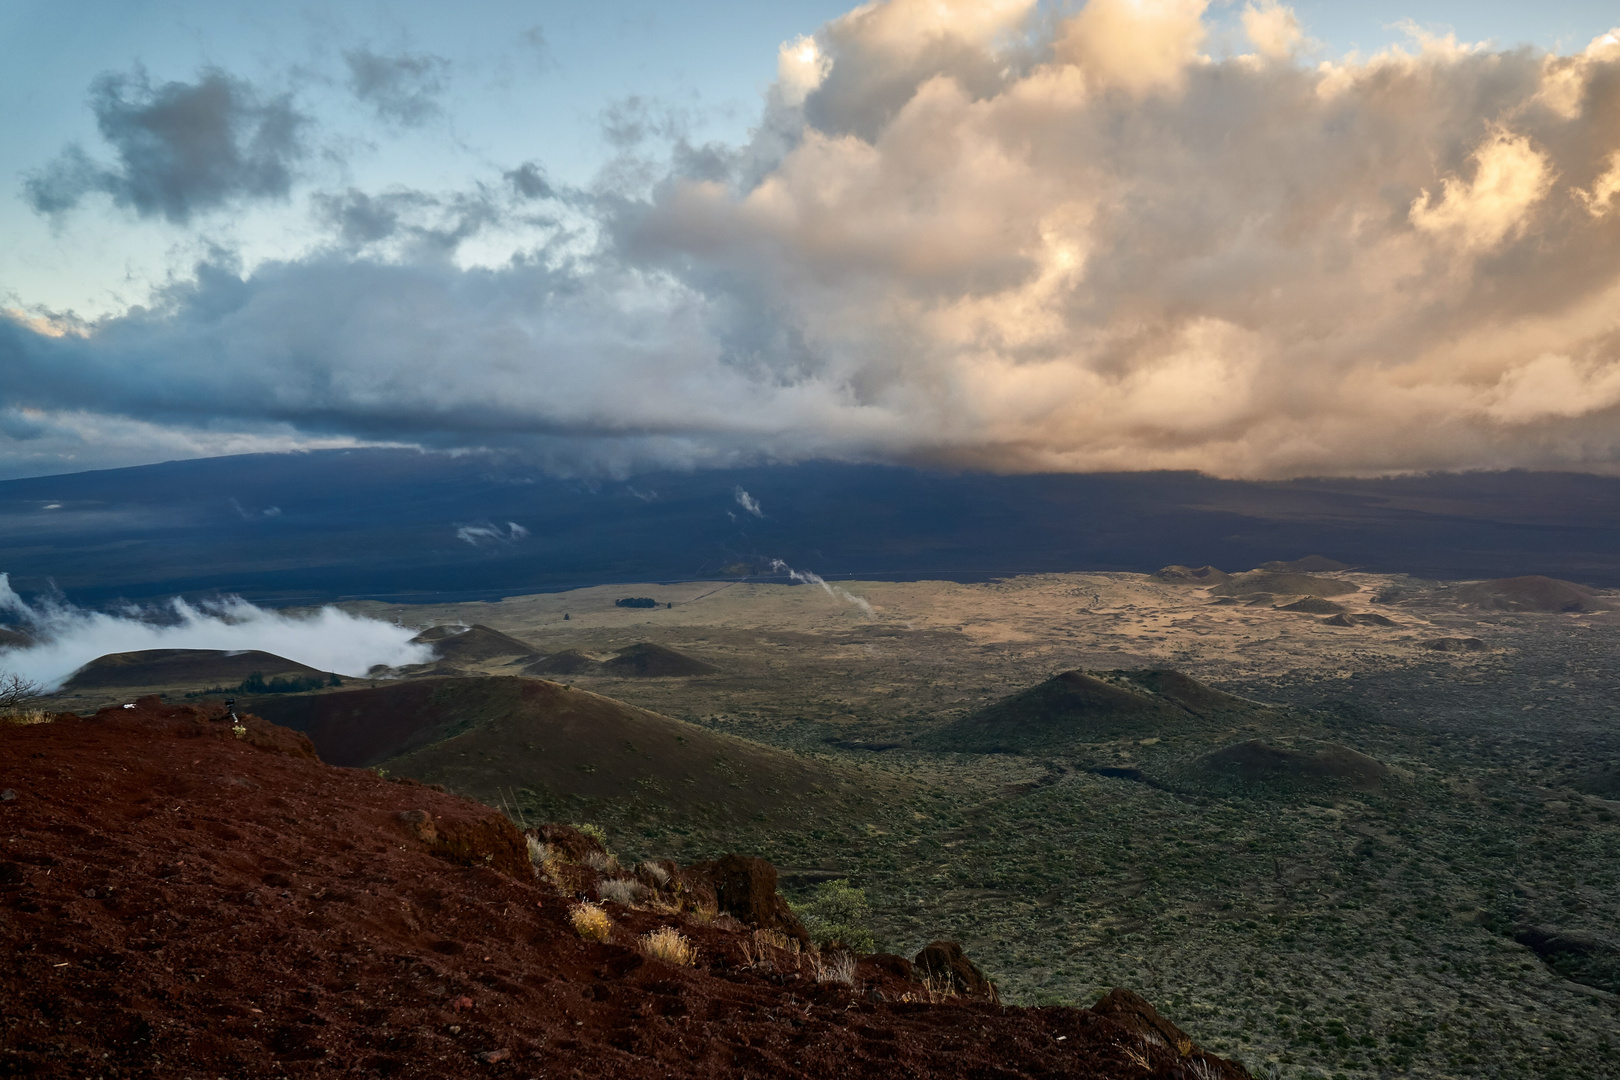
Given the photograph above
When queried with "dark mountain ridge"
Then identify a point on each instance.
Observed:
(388, 524)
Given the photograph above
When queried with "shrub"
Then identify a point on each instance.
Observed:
(656, 873)
(835, 917)
(602, 864)
(669, 945)
(17, 698)
(590, 922)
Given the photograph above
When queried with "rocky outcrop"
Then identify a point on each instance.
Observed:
(745, 888)
(944, 962)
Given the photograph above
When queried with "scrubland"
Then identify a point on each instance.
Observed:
(1317, 932)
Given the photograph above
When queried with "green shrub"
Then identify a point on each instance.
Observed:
(835, 916)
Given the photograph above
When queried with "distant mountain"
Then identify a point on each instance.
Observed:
(402, 525)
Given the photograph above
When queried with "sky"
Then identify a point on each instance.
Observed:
(1252, 239)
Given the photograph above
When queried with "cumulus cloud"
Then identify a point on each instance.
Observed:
(67, 637)
(181, 147)
(968, 234)
(402, 89)
(748, 503)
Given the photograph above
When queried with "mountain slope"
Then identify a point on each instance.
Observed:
(490, 736)
(177, 901)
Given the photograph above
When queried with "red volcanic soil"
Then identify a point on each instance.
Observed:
(177, 901)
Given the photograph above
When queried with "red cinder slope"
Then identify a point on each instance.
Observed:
(178, 901)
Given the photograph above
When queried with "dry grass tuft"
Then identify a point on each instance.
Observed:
(602, 864)
(669, 945)
(658, 875)
(838, 967)
(27, 716)
(620, 890)
(590, 922)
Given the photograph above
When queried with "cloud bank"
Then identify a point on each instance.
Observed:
(965, 234)
(69, 637)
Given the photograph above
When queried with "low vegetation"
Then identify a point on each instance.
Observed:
(590, 921)
(669, 945)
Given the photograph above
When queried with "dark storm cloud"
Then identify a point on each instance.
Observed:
(181, 148)
(403, 89)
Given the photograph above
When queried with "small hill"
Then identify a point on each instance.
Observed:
(1532, 593)
(567, 662)
(184, 667)
(1314, 605)
(649, 661)
(1283, 584)
(1077, 707)
(12, 638)
(472, 644)
(1363, 619)
(1310, 564)
(1186, 575)
(490, 735)
(1256, 767)
(1455, 644)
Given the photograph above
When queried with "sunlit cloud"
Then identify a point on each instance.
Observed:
(966, 234)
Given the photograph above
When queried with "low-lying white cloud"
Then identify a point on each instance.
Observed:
(966, 234)
(68, 637)
(748, 503)
(838, 592)
(485, 533)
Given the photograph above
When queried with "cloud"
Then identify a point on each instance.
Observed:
(983, 235)
(1273, 29)
(68, 637)
(837, 592)
(181, 148)
(1510, 177)
(402, 89)
(484, 532)
(748, 502)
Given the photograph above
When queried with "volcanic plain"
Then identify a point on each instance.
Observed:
(1335, 823)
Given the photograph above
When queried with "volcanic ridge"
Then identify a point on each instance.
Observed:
(181, 894)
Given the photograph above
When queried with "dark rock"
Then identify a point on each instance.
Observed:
(575, 846)
(419, 823)
(745, 886)
(1135, 1014)
(890, 964)
(8, 795)
(944, 960)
